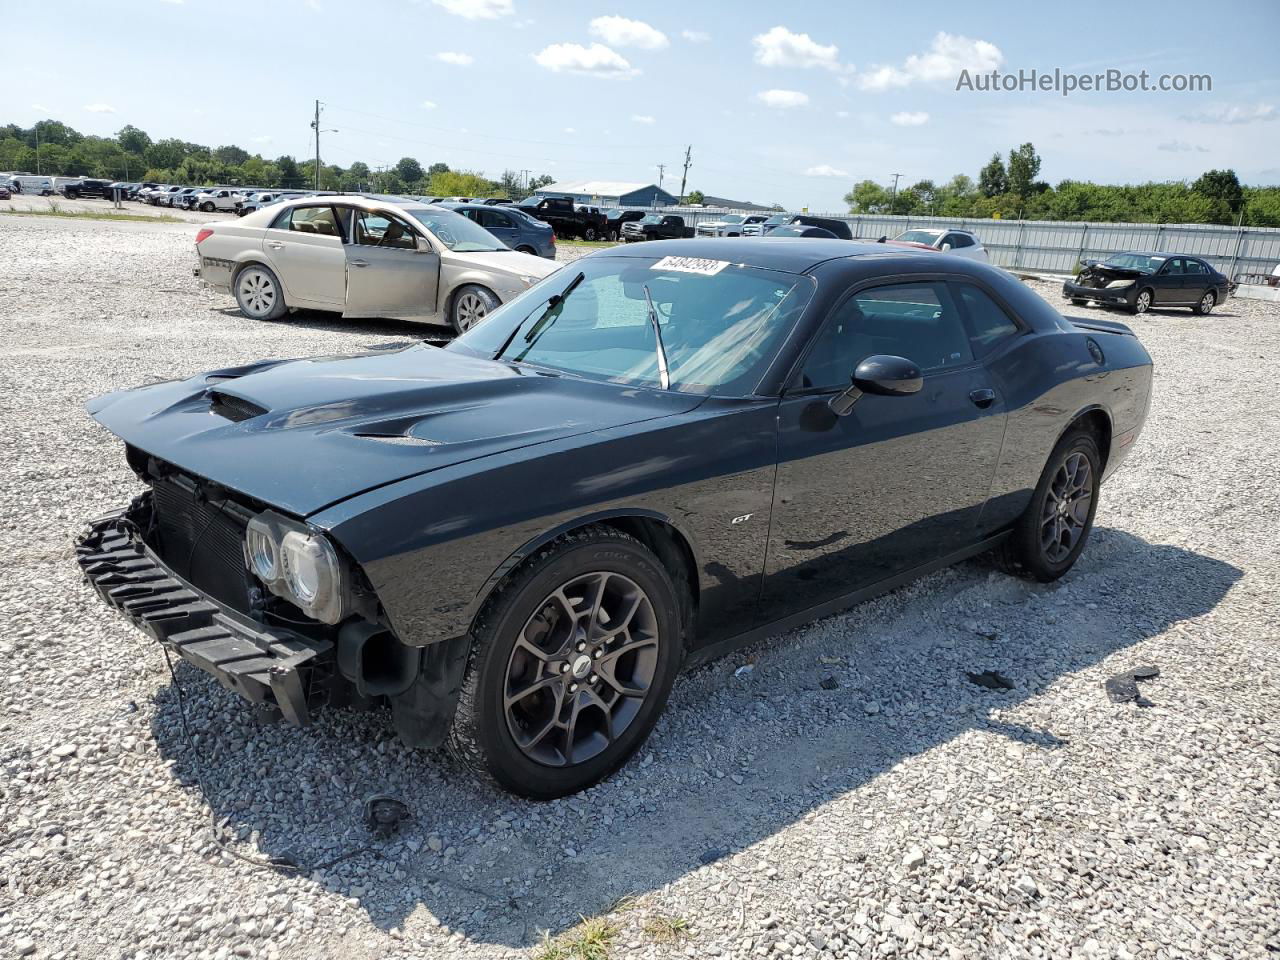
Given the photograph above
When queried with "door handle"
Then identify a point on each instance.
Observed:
(983, 397)
(275, 244)
(359, 263)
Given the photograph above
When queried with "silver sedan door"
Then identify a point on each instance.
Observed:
(393, 270)
(304, 246)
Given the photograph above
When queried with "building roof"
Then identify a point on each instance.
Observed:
(710, 201)
(599, 188)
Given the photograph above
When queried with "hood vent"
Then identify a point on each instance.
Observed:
(235, 409)
(400, 439)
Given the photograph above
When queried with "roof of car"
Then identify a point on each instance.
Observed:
(788, 254)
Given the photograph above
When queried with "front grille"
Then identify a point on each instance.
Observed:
(235, 409)
(201, 541)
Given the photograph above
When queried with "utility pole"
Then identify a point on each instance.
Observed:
(684, 177)
(894, 196)
(315, 125)
(662, 171)
(524, 176)
(37, 147)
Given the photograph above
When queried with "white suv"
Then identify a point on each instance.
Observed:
(217, 199)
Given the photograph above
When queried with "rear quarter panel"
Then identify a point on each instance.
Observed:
(1048, 380)
(222, 253)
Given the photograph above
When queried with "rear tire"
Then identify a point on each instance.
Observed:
(1206, 304)
(1047, 539)
(527, 249)
(258, 293)
(471, 304)
(542, 709)
(589, 234)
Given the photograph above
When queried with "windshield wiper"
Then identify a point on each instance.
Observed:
(664, 378)
(553, 302)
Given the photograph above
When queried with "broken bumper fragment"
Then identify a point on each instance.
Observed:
(270, 667)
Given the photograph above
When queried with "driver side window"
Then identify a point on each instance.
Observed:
(375, 229)
(918, 321)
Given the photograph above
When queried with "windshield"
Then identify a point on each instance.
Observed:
(1135, 261)
(778, 218)
(919, 236)
(454, 230)
(651, 218)
(731, 218)
(721, 323)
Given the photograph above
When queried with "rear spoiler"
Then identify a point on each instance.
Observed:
(1100, 326)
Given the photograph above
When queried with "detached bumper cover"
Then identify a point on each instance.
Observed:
(265, 665)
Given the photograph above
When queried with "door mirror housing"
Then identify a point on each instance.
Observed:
(945, 247)
(421, 244)
(884, 375)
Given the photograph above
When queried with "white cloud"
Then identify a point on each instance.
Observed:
(1181, 146)
(1234, 114)
(570, 130)
(642, 118)
(622, 32)
(782, 48)
(596, 60)
(695, 36)
(428, 104)
(264, 139)
(782, 99)
(176, 3)
(910, 118)
(842, 114)
(943, 61)
(455, 58)
(39, 106)
(477, 9)
(825, 170)
(100, 108)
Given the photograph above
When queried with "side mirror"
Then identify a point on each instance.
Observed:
(945, 247)
(421, 244)
(884, 375)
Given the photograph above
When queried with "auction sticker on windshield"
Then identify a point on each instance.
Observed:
(691, 265)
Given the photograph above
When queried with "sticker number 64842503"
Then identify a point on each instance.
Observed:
(691, 265)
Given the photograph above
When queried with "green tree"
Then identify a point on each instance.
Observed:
(165, 153)
(132, 140)
(1221, 185)
(1024, 167)
(289, 175)
(459, 183)
(409, 170)
(696, 197)
(53, 132)
(867, 196)
(231, 155)
(992, 179)
(437, 168)
(537, 183)
(927, 191)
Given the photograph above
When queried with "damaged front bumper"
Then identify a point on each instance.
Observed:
(275, 669)
(1116, 295)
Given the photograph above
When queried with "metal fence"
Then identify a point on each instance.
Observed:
(1056, 246)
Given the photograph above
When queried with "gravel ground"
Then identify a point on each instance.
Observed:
(29, 201)
(851, 795)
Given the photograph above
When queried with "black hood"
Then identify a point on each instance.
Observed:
(304, 434)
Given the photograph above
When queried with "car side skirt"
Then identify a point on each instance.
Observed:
(845, 601)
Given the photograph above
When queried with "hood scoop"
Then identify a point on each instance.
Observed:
(233, 408)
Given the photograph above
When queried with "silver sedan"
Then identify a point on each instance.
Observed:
(364, 257)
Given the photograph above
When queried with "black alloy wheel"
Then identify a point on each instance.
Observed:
(572, 661)
(1066, 508)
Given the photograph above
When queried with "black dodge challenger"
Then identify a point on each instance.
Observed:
(653, 456)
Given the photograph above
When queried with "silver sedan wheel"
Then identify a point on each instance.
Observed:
(471, 309)
(256, 293)
(1143, 303)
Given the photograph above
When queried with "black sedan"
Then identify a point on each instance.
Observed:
(1141, 281)
(650, 458)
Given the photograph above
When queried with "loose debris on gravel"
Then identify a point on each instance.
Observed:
(854, 794)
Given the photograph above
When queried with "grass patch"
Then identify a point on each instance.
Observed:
(592, 244)
(666, 929)
(54, 211)
(589, 940)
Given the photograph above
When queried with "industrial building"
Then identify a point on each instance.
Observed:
(609, 193)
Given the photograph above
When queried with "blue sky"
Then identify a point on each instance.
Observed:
(787, 103)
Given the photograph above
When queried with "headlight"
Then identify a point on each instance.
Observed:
(298, 564)
(1117, 284)
(263, 551)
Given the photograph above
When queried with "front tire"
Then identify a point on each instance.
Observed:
(589, 234)
(572, 662)
(1206, 304)
(207, 207)
(1047, 539)
(1142, 303)
(259, 294)
(471, 304)
(1077, 302)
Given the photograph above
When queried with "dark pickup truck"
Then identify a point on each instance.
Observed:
(565, 219)
(656, 226)
(87, 188)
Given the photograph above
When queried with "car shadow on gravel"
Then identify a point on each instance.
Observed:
(737, 758)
